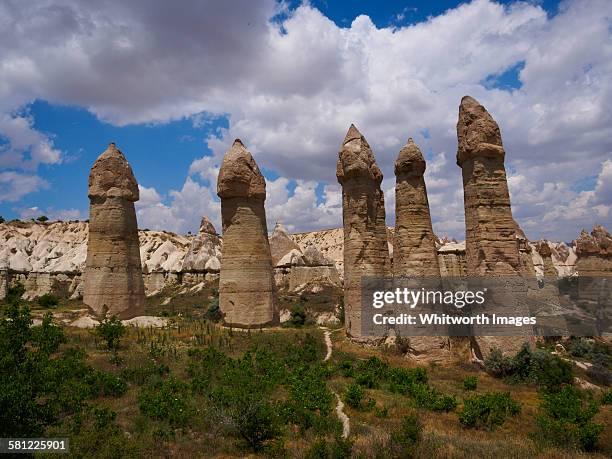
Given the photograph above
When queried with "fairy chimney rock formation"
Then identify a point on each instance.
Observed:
(204, 251)
(594, 264)
(113, 283)
(491, 245)
(547, 264)
(414, 252)
(206, 226)
(366, 251)
(246, 284)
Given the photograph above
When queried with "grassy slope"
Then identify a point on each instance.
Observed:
(443, 434)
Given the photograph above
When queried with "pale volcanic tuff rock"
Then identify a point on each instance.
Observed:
(113, 283)
(414, 253)
(246, 286)
(366, 251)
(283, 249)
(492, 248)
(594, 264)
(491, 245)
(204, 251)
(414, 245)
(548, 268)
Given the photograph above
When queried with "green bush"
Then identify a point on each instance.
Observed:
(38, 384)
(606, 398)
(298, 316)
(143, 373)
(48, 300)
(470, 383)
(371, 372)
(340, 448)
(14, 293)
(42, 219)
(539, 366)
(549, 371)
(499, 365)
(241, 397)
(404, 440)
(213, 313)
(431, 399)
(566, 419)
(402, 379)
(167, 400)
(111, 330)
(488, 410)
(353, 395)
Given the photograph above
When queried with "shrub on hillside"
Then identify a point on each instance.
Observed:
(14, 293)
(431, 399)
(298, 316)
(566, 419)
(37, 382)
(213, 313)
(111, 330)
(404, 440)
(488, 410)
(353, 395)
(167, 400)
(48, 300)
(402, 379)
(470, 383)
(539, 366)
(371, 372)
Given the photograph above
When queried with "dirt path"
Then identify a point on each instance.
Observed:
(344, 419)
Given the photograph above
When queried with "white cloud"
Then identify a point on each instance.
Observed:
(184, 211)
(291, 94)
(14, 185)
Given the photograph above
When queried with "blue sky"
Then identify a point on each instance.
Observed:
(168, 132)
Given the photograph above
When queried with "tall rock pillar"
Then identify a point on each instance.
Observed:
(490, 230)
(414, 247)
(246, 285)
(491, 247)
(113, 283)
(366, 252)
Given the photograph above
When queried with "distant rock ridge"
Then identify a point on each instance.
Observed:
(43, 254)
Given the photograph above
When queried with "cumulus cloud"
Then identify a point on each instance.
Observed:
(14, 185)
(180, 211)
(290, 90)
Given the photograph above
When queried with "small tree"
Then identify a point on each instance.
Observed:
(48, 300)
(1, 219)
(42, 219)
(111, 330)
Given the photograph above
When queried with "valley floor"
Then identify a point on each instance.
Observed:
(196, 389)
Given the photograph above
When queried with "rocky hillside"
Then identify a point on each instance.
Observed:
(29, 248)
(61, 247)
